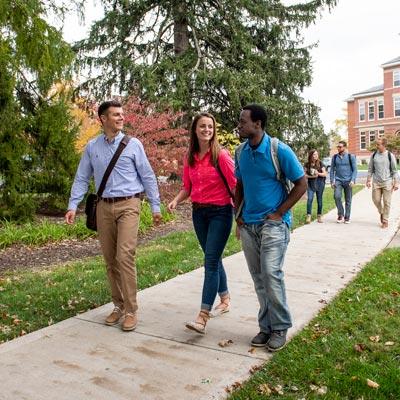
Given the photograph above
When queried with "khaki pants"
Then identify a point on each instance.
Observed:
(117, 225)
(382, 197)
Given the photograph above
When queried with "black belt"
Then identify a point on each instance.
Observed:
(116, 199)
(196, 206)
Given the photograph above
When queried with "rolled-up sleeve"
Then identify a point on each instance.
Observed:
(81, 181)
(147, 177)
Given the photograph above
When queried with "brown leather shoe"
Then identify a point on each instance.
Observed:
(130, 322)
(114, 317)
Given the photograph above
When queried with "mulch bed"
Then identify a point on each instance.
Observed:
(19, 257)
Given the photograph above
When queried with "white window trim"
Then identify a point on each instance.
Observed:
(380, 102)
(361, 104)
(373, 105)
(363, 133)
(396, 98)
(396, 71)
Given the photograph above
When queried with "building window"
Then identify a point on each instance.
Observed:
(361, 111)
(396, 78)
(363, 141)
(372, 137)
(371, 110)
(381, 111)
(396, 101)
(381, 133)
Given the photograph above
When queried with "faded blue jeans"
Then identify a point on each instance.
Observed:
(213, 227)
(348, 194)
(264, 247)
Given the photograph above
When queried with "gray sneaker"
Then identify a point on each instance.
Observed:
(260, 340)
(277, 340)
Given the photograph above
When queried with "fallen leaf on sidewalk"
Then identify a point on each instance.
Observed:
(375, 339)
(323, 301)
(251, 350)
(360, 347)
(372, 384)
(225, 342)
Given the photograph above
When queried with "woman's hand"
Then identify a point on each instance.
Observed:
(172, 206)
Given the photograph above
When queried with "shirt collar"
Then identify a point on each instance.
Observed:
(196, 155)
(116, 139)
(262, 147)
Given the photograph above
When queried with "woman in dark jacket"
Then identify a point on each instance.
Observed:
(316, 174)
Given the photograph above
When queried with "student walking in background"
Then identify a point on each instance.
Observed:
(316, 175)
(382, 171)
(343, 176)
(209, 180)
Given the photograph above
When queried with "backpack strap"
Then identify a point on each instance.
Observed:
(351, 163)
(238, 151)
(274, 157)
(390, 163)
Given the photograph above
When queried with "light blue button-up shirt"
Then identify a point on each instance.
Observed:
(131, 174)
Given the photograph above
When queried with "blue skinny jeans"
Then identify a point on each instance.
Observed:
(213, 226)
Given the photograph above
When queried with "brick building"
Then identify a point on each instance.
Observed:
(374, 112)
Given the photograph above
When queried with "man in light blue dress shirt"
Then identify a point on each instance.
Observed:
(118, 210)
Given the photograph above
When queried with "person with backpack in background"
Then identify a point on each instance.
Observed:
(263, 166)
(316, 175)
(209, 180)
(343, 176)
(382, 170)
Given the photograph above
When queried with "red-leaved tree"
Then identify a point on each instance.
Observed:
(161, 132)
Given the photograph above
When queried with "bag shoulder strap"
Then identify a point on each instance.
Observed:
(122, 144)
(221, 174)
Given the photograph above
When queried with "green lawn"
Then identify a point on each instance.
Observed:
(31, 300)
(41, 232)
(353, 340)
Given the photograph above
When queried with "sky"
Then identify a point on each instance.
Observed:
(354, 39)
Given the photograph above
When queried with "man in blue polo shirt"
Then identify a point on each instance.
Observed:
(264, 225)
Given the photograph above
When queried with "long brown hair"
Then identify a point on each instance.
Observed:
(310, 160)
(194, 146)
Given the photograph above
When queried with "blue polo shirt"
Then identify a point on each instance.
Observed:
(263, 193)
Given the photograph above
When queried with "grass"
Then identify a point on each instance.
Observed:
(45, 231)
(32, 300)
(354, 339)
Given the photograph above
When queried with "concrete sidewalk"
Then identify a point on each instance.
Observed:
(81, 358)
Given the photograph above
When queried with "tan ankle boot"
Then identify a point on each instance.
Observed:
(308, 219)
(319, 219)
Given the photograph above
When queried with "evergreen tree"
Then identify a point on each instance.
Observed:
(37, 156)
(214, 55)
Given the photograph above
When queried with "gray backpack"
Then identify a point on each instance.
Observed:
(286, 183)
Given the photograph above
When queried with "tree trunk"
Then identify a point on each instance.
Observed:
(181, 32)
